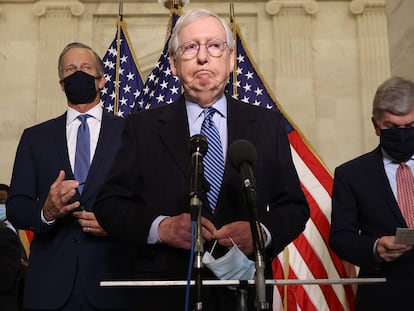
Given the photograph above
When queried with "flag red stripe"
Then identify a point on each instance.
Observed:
(313, 163)
(318, 270)
(322, 224)
(297, 295)
(317, 216)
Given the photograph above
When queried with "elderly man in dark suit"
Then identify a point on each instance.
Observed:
(368, 206)
(52, 192)
(145, 199)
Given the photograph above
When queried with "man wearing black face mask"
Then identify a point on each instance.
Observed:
(372, 196)
(59, 167)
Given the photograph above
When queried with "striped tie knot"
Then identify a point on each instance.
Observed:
(208, 116)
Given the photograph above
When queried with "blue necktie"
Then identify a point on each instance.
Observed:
(214, 159)
(83, 151)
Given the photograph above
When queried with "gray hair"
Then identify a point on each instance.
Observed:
(99, 64)
(191, 17)
(395, 95)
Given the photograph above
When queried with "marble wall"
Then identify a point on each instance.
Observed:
(401, 37)
(322, 59)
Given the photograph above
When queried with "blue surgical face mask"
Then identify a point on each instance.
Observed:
(234, 265)
(2, 212)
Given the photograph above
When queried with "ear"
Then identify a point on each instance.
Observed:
(173, 64)
(232, 60)
(101, 82)
(377, 129)
(62, 86)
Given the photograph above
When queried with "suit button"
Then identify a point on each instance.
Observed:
(74, 240)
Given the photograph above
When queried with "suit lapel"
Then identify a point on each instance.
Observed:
(240, 123)
(60, 141)
(382, 185)
(174, 134)
(104, 148)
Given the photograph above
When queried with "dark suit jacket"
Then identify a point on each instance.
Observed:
(363, 210)
(10, 252)
(152, 179)
(61, 251)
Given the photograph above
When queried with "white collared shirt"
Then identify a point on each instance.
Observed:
(391, 167)
(72, 124)
(196, 117)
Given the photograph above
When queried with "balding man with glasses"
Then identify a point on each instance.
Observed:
(145, 198)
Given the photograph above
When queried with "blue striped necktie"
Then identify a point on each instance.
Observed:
(214, 159)
(83, 151)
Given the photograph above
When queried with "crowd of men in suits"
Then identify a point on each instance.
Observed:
(108, 198)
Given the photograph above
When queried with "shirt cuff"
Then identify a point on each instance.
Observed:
(153, 237)
(268, 239)
(374, 250)
(42, 216)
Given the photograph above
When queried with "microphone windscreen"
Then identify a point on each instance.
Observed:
(198, 143)
(241, 151)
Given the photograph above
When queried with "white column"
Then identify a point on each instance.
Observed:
(374, 64)
(292, 46)
(57, 27)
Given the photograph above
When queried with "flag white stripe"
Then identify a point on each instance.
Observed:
(308, 179)
(302, 271)
(312, 234)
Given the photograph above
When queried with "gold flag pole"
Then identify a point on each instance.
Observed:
(175, 6)
(233, 26)
(118, 57)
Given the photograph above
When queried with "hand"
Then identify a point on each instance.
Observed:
(240, 233)
(24, 264)
(176, 230)
(60, 193)
(388, 250)
(89, 224)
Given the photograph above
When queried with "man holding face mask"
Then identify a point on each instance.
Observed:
(145, 199)
(373, 195)
(59, 167)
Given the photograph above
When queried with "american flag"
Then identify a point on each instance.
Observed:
(123, 76)
(26, 237)
(309, 256)
(161, 86)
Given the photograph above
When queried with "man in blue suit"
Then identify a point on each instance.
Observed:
(146, 197)
(367, 207)
(70, 252)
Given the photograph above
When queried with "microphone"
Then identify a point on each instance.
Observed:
(242, 155)
(197, 146)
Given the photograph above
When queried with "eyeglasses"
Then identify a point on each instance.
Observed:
(214, 47)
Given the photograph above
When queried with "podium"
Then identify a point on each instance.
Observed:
(268, 282)
(240, 285)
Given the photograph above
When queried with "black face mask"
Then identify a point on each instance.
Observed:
(398, 143)
(80, 88)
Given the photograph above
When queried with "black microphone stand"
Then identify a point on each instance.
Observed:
(196, 204)
(198, 147)
(258, 244)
